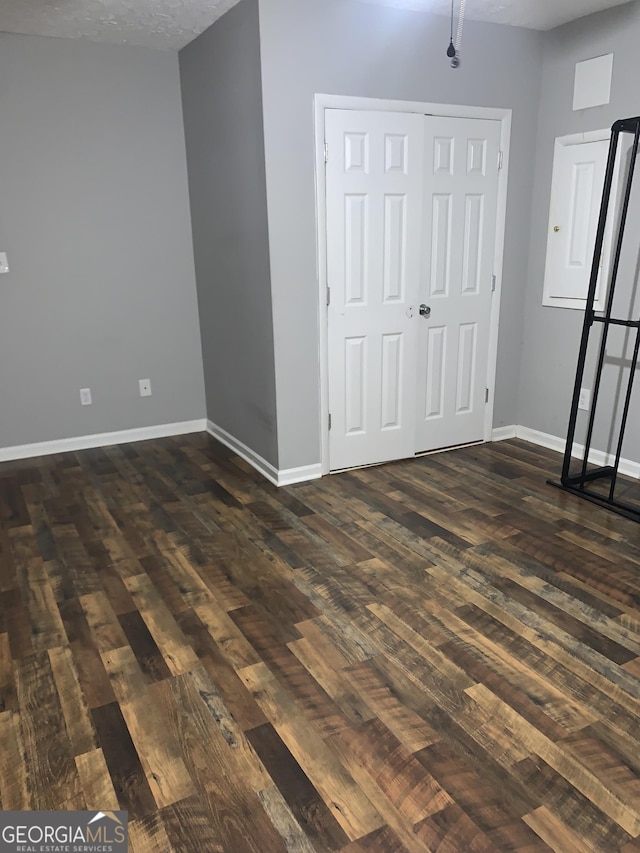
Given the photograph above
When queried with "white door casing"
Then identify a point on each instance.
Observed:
(461, 195)
(374, 232)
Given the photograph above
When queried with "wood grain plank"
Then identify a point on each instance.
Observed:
(144, 647)
(15, 787)
(555, 834)
(172, 643)
(96, 782)
(8, 698)
(129, 781)
(228, 795)
(347, 803)
(188, 826)
(53, 777)
(74, 707)
(612, 804)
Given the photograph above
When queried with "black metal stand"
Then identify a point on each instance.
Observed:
(582, 483)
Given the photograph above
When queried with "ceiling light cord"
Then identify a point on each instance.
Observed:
(451, 50)
(455, 61)
(463, 3)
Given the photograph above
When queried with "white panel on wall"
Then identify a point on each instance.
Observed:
(466, 367)
(355, 372)
(472, 252)
(394, 247)
(356, 152)
(436, 349)
(391, 381)
(355, 248)
(579, 166)
(441, 245)
(395, 153)
(592, 86)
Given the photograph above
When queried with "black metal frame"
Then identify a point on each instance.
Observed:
(578, 483)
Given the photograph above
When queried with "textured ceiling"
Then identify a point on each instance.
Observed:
(535, 14)
(170, 24)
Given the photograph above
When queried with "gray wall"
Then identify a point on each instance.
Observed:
(350, 48)
(552, 335)
(222, 100)
(94, 216)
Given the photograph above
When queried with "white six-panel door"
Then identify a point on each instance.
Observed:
(411, 211)
(461, 198)
(374, 234)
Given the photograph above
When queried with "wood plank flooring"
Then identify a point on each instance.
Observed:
(436, 655)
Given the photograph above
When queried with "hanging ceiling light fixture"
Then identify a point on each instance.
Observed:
(453, 51)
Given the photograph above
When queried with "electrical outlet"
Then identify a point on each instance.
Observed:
(85, 397)
(584, 401)
(145, 387)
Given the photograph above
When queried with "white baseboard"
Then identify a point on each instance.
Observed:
(278, 477)
(265, 468)
(504, 432)
(102, 439)
(285, 477)
(544, 439)
(554, 442)
(289, 476)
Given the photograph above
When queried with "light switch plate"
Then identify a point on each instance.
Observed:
(4, 263)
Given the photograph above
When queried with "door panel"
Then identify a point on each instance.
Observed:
(434, 371)
(375, 184)
(355, 385)
(440, 245)
(467, 372)
(461, 189)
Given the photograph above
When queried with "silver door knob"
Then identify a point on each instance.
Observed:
(425, 310)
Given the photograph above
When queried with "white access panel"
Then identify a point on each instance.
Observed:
(461, 195)
(374, 186)
(576, 192)
(592, 84)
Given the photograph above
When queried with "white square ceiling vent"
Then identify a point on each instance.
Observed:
(593, 82)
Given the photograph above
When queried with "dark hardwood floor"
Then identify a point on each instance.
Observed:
(435, 655)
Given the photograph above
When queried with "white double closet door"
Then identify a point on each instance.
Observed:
(411, 220)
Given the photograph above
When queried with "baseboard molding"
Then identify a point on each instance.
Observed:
(554, 442)
(285, 477)
(504, 432)
(282, 477)
(544, 439)
(102, 439)
(254, 459)
(289, 476)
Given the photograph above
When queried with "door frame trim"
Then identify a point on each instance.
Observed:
(324, 102)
